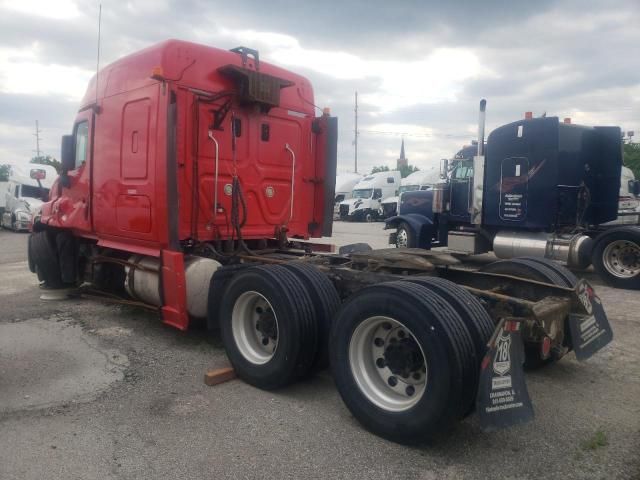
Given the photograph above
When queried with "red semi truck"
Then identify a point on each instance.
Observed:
(191, 180)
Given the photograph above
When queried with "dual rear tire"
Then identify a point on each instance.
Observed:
(404, 355)
(275, 321)
(406, 358)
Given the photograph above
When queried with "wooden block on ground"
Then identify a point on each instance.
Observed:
(219, 375)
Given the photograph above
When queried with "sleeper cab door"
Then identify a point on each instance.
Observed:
(125, 170)
(133, 203)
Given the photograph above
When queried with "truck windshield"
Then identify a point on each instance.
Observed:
(363, 193)
(408, 188)
(34, 192)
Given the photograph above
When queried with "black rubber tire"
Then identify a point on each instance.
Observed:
(217, 289)
(297, 328)
(411, 237)
(30, 261)
(630, 234)
(326, 303)
(446, 344)
(567, 275)
(474, 315)
(527, 269)
(533, 270)
(45, 258)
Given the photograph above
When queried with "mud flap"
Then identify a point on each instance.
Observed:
(503, 399)
(589, 332)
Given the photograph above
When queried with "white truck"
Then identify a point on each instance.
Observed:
(367, 196)
(629, 202)
(22, 195)
(420, 180)
(344, 188)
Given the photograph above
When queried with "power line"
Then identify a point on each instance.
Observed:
(407, 134)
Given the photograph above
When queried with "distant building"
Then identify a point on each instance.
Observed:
(402, 161)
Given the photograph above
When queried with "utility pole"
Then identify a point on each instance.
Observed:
(355, 141)
(37, 135)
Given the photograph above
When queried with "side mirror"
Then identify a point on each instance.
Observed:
(67, 153)
(444, 167)
(634, 187)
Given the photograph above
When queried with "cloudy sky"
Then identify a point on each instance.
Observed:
(420, 67)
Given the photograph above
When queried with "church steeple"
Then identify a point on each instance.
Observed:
(402, 161)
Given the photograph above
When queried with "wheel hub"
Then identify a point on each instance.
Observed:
(266, 324)
(403, 357)
(402, 239)
(622, 259)
(388, 363)
(255, 327)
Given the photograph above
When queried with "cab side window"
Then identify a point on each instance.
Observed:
(82, 142)
(377, 193)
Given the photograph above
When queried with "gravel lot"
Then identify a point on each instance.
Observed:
(90, 390)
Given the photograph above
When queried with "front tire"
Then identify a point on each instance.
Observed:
(616, 257)
(405, 237)
(45, 259)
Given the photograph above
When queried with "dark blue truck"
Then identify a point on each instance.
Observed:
(539, 188)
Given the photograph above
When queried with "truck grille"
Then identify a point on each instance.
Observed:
(389, 209)
(344, 211)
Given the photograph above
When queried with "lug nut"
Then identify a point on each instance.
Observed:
(386, 326)
(380, 362)
(401, 334)
(392, 381)
(378, 342)
(265, 341)
(259, 310)
(410, 390)
(416, 376)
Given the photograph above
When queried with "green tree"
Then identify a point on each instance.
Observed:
(631, 157)
(380, 168)
(47, 160)
(407, 170)
(4, 173)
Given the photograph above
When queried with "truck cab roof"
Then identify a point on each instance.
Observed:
(192, 65)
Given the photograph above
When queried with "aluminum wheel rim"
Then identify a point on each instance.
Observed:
(622, 258)
(256, 347)
(402, 238)
(368, 357)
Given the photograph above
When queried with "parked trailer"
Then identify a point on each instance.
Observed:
(415, 339)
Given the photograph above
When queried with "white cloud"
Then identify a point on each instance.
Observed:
(437, 77)
(59, 9)
(23, 72)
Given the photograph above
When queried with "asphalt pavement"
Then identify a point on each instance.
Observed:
(90, 390)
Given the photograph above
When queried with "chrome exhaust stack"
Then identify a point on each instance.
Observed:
(475, 209)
